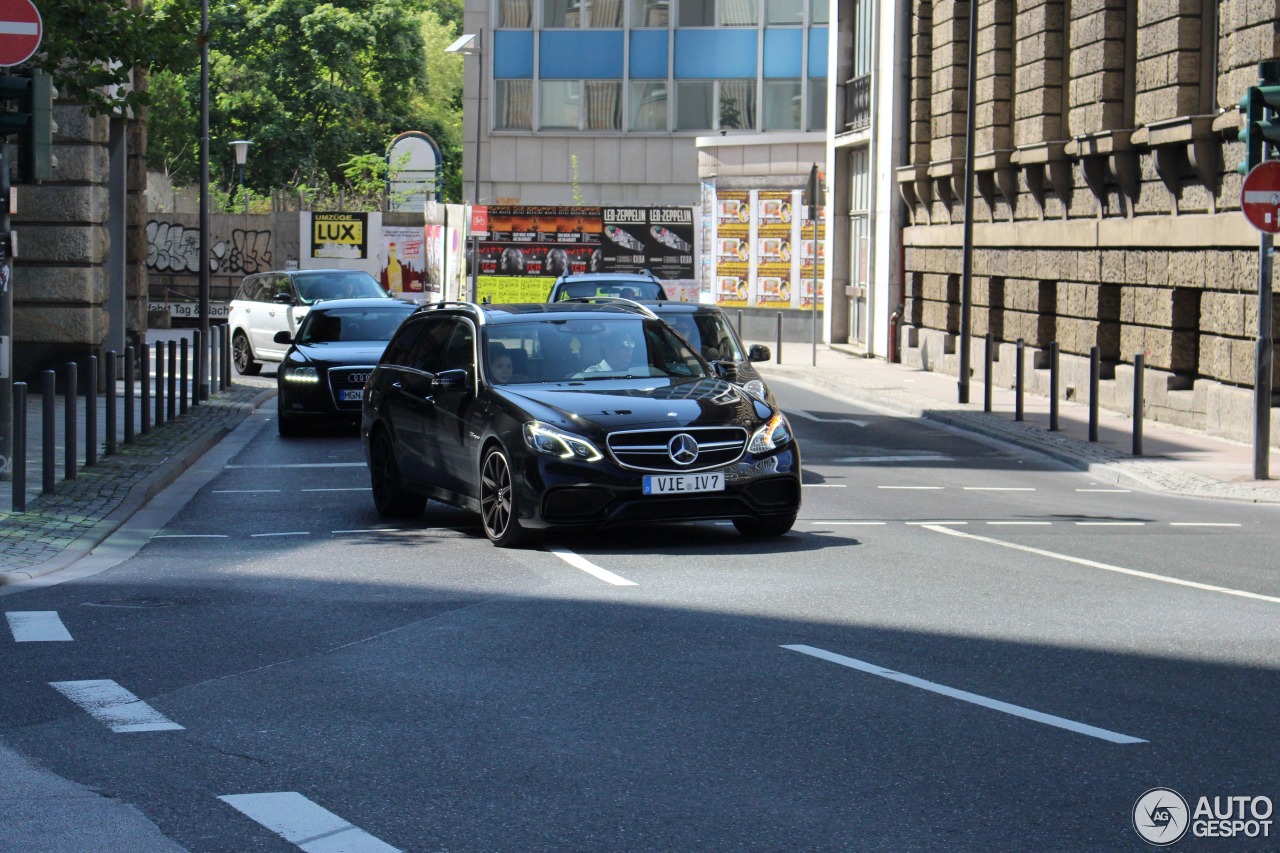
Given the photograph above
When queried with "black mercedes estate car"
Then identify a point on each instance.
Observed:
(569, 415)
(325, 367)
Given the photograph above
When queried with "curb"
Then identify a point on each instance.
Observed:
(138, 496)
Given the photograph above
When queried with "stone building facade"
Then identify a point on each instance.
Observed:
(1107, 210)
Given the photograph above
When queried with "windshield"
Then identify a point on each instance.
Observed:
(314, 287)
(709, 334)
(353, 324)
(642, 290)
(609, 347)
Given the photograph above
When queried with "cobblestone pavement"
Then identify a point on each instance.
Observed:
(57, 529)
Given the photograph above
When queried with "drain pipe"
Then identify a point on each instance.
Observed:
(873, 152)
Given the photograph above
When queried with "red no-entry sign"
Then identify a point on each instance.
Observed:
(1260, 198)
(20, 31)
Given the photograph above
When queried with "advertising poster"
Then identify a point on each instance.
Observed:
(773, 248)
(340, 235)
(732, 249)
(807, 267)
(657, 239)
(404, 260)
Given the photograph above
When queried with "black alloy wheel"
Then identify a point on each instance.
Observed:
(764, 528)
(498, 502)
(389, 499)
(242, 355)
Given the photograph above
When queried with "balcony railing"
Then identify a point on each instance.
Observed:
(857, 103)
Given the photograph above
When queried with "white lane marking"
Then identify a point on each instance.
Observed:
(354, 489)
(924, 457)
(112, 705)
(37, 626)
(1023, 523)
(813, 417)
(934, 522)
(304, 824)
(301, 465)
(824, 485)
(1205, 524)
(999, 489)
(590, 568)
(912, 488)
(966, 696)
(289, 533)
(189, 536)
(1106, 567)
(1110, 524)
(246, 491)
(1108, 491)
(851, 523)
(370, 530)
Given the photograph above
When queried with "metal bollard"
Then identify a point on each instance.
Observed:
(778, 352)
(112, 399)
(144, 371)
(48, 437)
(184, 386)
(1053, 386)
(199, 377)
(91, 413)
(159, 382)
(69, 421)
(1139, 370)
(172, 400)
(1095, 375)
(988, 379)
(129, 370)
(19, 459)
(226, 357)
(1017, 390)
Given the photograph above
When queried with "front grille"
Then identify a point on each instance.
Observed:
(344, 378)
(650, 450)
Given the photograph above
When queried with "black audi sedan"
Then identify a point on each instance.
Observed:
(324, 370)
(569, 415)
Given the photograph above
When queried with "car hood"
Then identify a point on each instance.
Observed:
(356, 352)
(609, 404)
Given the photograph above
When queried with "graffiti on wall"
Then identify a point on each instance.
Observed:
(175, 248)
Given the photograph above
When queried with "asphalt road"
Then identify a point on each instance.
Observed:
(959, 647)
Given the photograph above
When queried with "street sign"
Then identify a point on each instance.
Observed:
(20, 31)
(1260, 197)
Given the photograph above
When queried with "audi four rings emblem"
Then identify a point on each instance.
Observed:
(358, 377)
(683, 449)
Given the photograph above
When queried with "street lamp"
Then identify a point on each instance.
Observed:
(473, 43)
(241, 148)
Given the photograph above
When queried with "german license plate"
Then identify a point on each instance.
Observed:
(679, 484)
(351, 395)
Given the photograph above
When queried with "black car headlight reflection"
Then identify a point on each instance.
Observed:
(772, 436)
(756, 389)
(305, 373)
(547, 439)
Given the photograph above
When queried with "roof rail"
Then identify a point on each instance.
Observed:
(618, 301)
(456, 303)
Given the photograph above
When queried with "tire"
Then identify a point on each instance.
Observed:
(765, 528)
(242, 355)
(498, 509)
(389, 498)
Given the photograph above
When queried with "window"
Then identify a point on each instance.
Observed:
(650, 13)
(737, 105)
(648, 105)
(581, 13)
(581, 104)
(513, 105)
(817, 104)
(695, 105)
(783, 108)
(561, 104)
(515, 14)
(715, 105)
(732, 13)
(784, 11)
(820, 12)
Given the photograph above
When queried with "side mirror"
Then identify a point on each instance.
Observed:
(283, 298)
(450, 380)
(759, 352)
(283, 338)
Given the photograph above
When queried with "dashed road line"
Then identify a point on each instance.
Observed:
(824, 485)
(285, 533)
(353, 489)
(821, 420)
(999, 489)
(1107, 567)
(1110, 523)
(913, 488)
(305, 824)
(189, 536)
(110, 704)
(851, 523)
(966, 696)
(1107, 491)
(914, 523)
(1205, 524)
(369, 530)
(299, 465)
(923, 457)
(1022, 523)
(579, 562)
(37, 626)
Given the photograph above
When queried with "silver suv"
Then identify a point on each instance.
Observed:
(271, 302)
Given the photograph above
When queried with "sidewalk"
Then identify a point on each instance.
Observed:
(1174, 460)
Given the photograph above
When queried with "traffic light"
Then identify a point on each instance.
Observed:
(1261, 107)
(31, 120)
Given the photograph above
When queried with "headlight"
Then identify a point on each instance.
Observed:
(756, 389)
(773, 435)
(305, 373)
(554, 442)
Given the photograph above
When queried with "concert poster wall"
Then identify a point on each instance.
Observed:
(807, 270)
(773, 248)
(732, 249)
